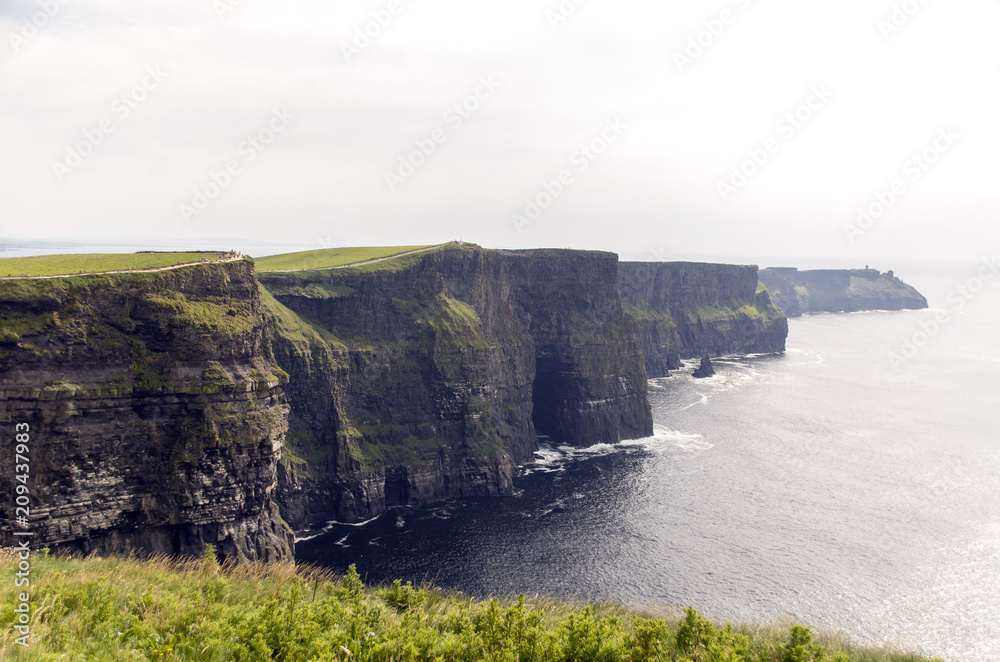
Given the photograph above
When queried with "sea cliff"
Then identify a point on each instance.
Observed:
(689, 310)
(218, 404)
(839, 290)
(156, 410)
(451, 363)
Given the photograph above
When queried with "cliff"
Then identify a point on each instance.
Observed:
(839, 290)
(156, 412)
(212, 404)
(430, 376)
(688, 310)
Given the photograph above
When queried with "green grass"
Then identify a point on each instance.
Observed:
(297, 329)
(643, 312)
(329, 257)
(732, 310)
(455, 323)
(212, 316)
(58, 265)
(123, 609)
(374, 453)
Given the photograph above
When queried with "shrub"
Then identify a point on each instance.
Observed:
(402, 597)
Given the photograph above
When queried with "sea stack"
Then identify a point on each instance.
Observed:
(705, 369)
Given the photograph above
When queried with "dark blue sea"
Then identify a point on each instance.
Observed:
(852, 484)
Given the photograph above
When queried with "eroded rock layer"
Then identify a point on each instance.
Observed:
(156, 412)
(450, 364)
(690, 309)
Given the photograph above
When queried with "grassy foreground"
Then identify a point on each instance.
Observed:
(127, 609)
(58, 265)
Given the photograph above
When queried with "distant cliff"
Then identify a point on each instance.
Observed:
(839, 290)
(447, 365)
(156, 412)
(688, 310)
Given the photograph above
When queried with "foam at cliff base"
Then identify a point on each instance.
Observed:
(665, 439)
(554, 459)
(329, 525)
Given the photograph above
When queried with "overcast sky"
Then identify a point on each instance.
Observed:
(117, 117)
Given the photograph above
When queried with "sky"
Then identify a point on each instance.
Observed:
(858, 130)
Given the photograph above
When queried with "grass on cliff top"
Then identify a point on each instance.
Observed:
(125, 609)
(58, 265)
(330, 257)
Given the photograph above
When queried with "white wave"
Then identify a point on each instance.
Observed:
(547, 454)
(596, 449)
(329, 525)
(367, 521)
(808, 356)
(758, 355)
(664, 438)
(299, 539)
(548, 460)
(554, 460)
(702, 401)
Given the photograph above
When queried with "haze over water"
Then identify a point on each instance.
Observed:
(822, 485)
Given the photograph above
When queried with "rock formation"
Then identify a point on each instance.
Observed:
(704, 370)
(839, 290)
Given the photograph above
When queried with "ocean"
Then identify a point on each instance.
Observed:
(851, 484)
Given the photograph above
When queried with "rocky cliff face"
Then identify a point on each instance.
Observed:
(839, 290)
(687, 310)
(173, 409)
(156, 409)
(448, 364)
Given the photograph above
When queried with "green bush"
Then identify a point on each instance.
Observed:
(126, 609)
(701, 641)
